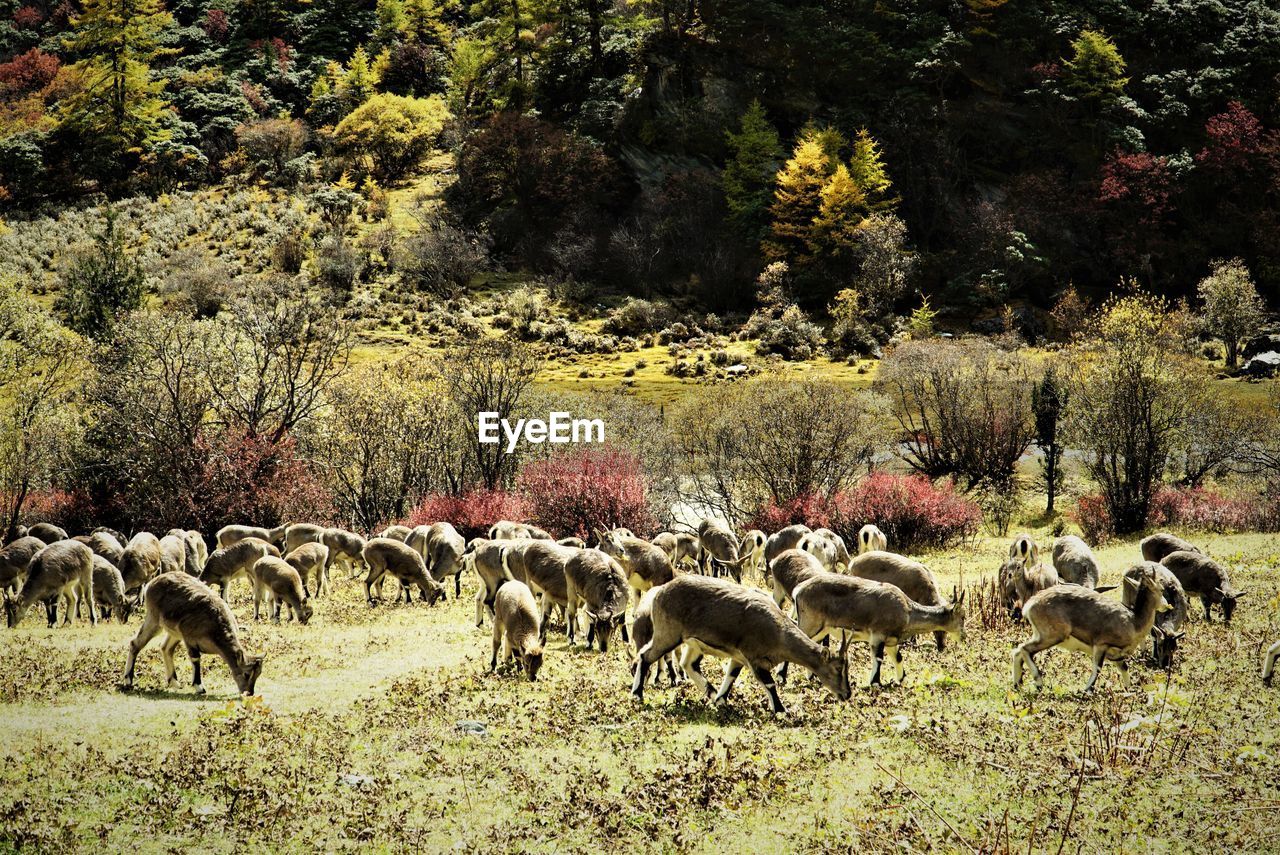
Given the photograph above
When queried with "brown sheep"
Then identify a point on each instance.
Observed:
(1201, 575)
(15, 559)
(385, 555)
(275, 579)
(516, 628)
(140, 562)
(598, 583)
(60, 572)
(310, 559)
(235, 561)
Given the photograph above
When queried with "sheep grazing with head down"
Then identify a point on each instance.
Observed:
(140, 562)
(385, 555)
(782, 540)
(234, 562)
(1157, 546)
(173, 553)
(106, 544)
(192, 614)
(442, 549)
(1075, 562)
(299, 533)
(309, 561)
(645, 565)
(719, 549)
(15, 559)
(597, 584)
(276, 581)
(911, 577)
(108, 591)
(61, 572)
(230, 534)
(680, 548)
(48, 532)
(753, 547)
(1201, 575)
(516, 628)
(1167, 630)
(508, 530)
(1077, 618)
(345, 548)
(789, 569)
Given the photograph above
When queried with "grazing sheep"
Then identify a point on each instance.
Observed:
(1168, 626)
(140, 562)
(191, 559)
(782, 540)
(1157, 546)
(485, 556)
(1074, 561)
(58, 573)
(875, 612)
(1077, 618)
(344, 547)
(108, 591)
(516, 628)
(200, 549)
(740, 624)
(821, 548)
(841, 550)
(753, 547)
(299, 533)
(235, 561)
(680, 548)
(1201, 575)
(120, 538)
(540, 564)
(105, 544)
(599, 584)
(385, 555)
(719, 550)
(1028, 580)
(508, 530)
(396, 532)
(231, 534)
(310, 559)
(277, 580)
(575, 542)
(15, 559)
(191, 614)
(644, 564)
(872, 539)
(789, 569)
(911, 577)
(1269, 663)
(48, 532)
(443, 552)
(173, 554)
(642, 633)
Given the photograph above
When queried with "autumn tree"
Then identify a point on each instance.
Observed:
(116, 105)
(395, 131)
(1233, 310)
(797, 200)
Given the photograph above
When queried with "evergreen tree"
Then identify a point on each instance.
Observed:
(359, 81)
(101, 283)
(1048, 403)
(424, 22)
(797, 200)
(393, 22)
(117, 106)
(841, 210)
(1095, 69)
(748, 178)
(867, 169)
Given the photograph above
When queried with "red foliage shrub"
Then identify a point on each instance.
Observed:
(813, 510)
(579, 491)
(216, 25)
(249, 479)
(471, 513)
(911, 510)
(1236, 140)
(1142, 183)
(1199, 509)
(1094, 519)
(28, 17)
(69, 509)
(28, 72)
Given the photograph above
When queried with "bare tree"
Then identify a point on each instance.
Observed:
(490, 375)
(964, 408)
(42, 370)
(776, 441)
(272, 356)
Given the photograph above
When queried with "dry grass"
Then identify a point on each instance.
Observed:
(354, 744)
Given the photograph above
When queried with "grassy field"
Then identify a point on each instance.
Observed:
(355, 743)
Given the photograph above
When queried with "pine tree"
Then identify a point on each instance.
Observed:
(1096, 68)
(101, 283)
(842, 209)
(118, 106)
(867, 169)
(797, 200)
(393, 22)
(359, 82)
(1048, 403)
(748, 179)
(424, 22)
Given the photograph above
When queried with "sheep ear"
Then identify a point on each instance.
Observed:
(844, 648)
(1175, 636)
(1159, 633)
(1239, 594)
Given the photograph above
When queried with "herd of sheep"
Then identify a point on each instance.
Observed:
(684, 592)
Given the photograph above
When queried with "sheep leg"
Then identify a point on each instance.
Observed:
(765, 676)
(660, 645)
(457, 585)
(497, 639)
(571, 613)
(275, 615)
(546, 614)
(480, 604)
(692, 666)
(193, 653)
(898, 666)
(1207, 603)
(1269, 663)
(1099, 656)
(731, 674)
(166, 650)
(877, 659)
(51, 611)
(150, 627)
(257, 601)
(369, 580)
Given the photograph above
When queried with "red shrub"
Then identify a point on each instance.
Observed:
(471, 513)
(216, 25)
(813, 510)
(28, 72)
(576, 492)
(1199, 509)
(249, 479)
(68, 509)
(28, 17)
(911, 510)
(1094, 519)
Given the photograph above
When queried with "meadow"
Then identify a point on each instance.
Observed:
(381, 729)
